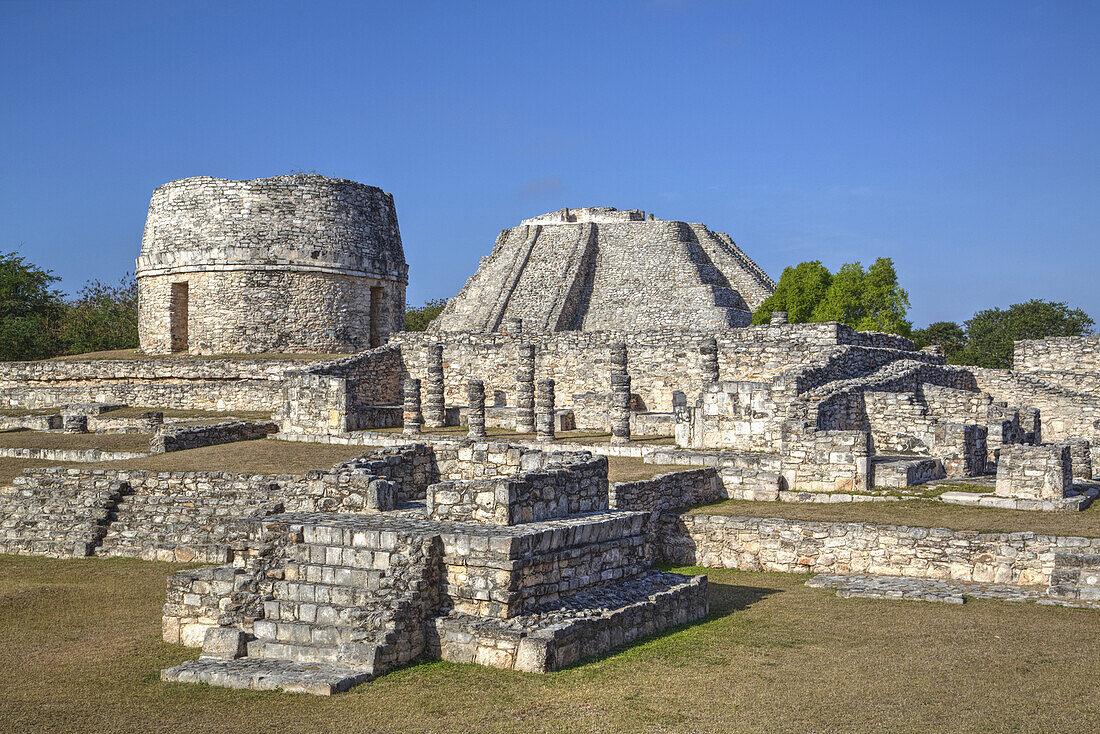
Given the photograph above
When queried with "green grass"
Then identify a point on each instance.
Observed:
(261, 456)
(80, 651)
(21, 438)
(11, 468)
(920, 513)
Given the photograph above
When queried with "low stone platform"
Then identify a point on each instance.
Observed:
(933, 590)
(256, 674)
(1081, 498)
(574, 627)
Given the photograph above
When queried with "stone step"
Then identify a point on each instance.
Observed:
(52, 548)
(316, 573)
(171, 552)
(377, 615)
(51, 530)
(129, 526)
(334, 594)
(49, 521)
(262, 674)
(333, 555)
(304, 633)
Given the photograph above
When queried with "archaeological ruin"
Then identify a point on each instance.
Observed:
(478, 521)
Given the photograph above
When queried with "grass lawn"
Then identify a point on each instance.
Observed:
(80, 649)
(22, 438)
(629, 469)
(11, 468)
(260, 456)
(920, 513)
(134, 412)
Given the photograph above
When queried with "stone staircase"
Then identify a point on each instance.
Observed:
(349, 606)
(53, 515)
(158, 525)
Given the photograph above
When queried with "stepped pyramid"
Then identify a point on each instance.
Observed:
(599, 268)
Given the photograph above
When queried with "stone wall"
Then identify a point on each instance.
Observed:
(796, 546)
(200, 384)
(181, 438)
(291, 263)
(1074, 354)
(568, 484)
(662, 363)
(1035, 472)
(669, 491)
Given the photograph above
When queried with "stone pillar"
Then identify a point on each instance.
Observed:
(475, 410)
(620, 408)
(618, 358)
(544, 410)
(412, 417)
(513, 327)
(525, 390)
(435, 412)
(74, 423)
(1080, 453)
(709, 351)
(779, 317)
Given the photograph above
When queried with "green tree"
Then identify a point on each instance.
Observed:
(868, 301)
(29, 308)
(948, 335)
(843, 300)
(885, 302)
(990, 333)
(417, 318)
(800, 289)
(102, 317)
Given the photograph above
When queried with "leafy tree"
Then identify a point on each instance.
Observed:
(990, 333)
(868, 301)
(102, 317)
(948, 335)
(885, 302)
(29, 308)
(417, 318)
(843, 299)
(800, 289)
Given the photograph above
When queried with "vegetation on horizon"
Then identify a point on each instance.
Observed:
(986, 339)
(867, 300)
(417, 318)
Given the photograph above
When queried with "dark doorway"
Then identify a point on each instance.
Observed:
(177, 326)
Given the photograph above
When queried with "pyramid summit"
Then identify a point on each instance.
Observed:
(602, 268)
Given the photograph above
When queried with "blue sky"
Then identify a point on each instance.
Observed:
(959, 138)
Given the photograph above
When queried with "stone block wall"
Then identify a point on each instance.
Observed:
(1042, 472)
(181, 438)
(202, 384)
(568, 484)
(797, 546)
(1073, 354)
(669, 491)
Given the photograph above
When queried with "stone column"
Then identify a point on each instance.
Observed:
(412, 417)
(544, 410)
(709, 351)
(618, 358)
(620, 408)
(513, 327)
(475, 409)
(779, 317)
(525, 390)
(435, 413)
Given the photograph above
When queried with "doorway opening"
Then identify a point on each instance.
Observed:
(177, 314)
(375, 316)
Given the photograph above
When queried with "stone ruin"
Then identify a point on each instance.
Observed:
(515, 554)
(598, 269)
(297, 263)
(512, 560)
